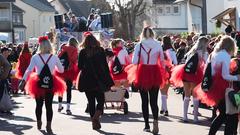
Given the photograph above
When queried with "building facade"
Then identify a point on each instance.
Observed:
(6, 25)
(167, 16)
(19, 29)
(38, 17)
(214, 8)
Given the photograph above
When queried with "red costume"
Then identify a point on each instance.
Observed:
(216, 93)
(123, 75)
(72, 72)
(179, 75)
(35, 91)
(22, 64)
(147, 76)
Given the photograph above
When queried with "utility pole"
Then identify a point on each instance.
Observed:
(204, 16)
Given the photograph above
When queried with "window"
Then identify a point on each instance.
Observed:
(14, 18)
(4, 14)
(175, 9)
(168, 10)
(160, 10)
(18, 19)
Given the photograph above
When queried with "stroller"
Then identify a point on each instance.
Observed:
(115, 99)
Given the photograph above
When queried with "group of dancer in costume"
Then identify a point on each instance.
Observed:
(152, 67)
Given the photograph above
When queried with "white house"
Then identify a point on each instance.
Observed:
(59, 7)
(216, 9)
(38, 17)
(78, 7)
(167, 16)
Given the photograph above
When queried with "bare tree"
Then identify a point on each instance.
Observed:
(128, 12)
(103, 5)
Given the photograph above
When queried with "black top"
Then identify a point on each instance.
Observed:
(90, 66)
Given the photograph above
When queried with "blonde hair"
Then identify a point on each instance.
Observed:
(45, 47)
(200, 45)
(73, 42)
(227, 43)
(147, 32)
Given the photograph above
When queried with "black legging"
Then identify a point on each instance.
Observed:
(48, 104)
(69, 92)
(231, 124)
(91, 96)
(153, 94)
(231, 121)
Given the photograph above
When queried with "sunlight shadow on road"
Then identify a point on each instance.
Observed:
(16, 129)
(107, 133)
(166, 119)
(118, 118)
(80, 117)
(45, 133)
(17, 118)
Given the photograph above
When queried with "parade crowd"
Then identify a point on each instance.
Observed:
(202, 67)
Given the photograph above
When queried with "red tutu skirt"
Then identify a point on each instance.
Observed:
(217, 91)
(146, 77)
(19, 72)
(121, 76)
(70, 74)
(18, 75)
(178, 75)
(59, 86)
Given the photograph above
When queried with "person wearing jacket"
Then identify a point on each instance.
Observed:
(94, 74)
(5, 68)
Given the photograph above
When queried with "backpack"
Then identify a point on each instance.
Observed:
(192, 64)
(207, 78)
(64, 60)
(45, 76)
(117, 66)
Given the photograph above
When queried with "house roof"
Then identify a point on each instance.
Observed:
(223, 13)
(17, 9)
(79, 8)
(41, 5)
(163, 1)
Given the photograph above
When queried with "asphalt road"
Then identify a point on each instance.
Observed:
(114, 122)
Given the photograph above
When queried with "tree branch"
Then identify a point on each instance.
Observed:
(141, 11)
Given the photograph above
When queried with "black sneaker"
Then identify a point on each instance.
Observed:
(147, 129)
(69, 112)
(7, 112)
(60, 109)
(161, 112)
(166, 113)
